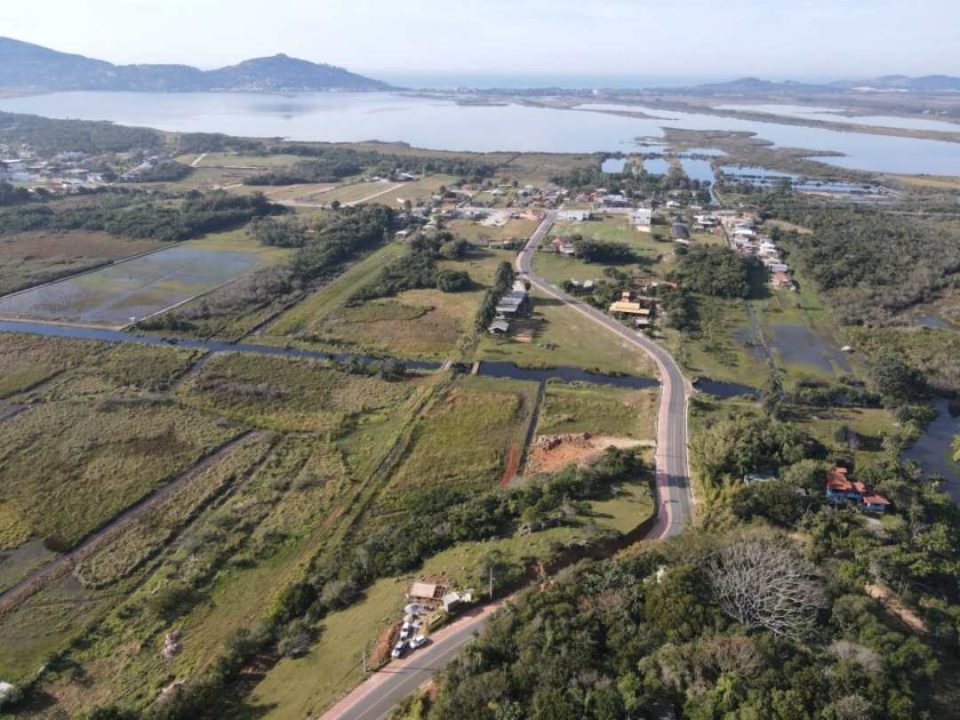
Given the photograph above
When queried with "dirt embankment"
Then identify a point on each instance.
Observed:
(551, 453)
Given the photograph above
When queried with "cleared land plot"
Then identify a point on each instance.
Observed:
(34, 258)
(598, 411)
(477, 232)
(467, 439)
(116, 295)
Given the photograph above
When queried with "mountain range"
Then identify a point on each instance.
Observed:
(24, 66)
(755, 86)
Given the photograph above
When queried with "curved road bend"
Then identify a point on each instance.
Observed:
(377, 696)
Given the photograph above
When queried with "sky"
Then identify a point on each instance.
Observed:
(775, 39)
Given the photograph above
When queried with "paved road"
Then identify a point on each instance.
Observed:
(673, 476)
(378, 695)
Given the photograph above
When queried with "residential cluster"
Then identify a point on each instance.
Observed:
(745, 239)
(65, 172)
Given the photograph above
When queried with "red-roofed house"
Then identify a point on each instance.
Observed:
(840, 489)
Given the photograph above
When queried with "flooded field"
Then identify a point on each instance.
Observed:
(119, 294)
(799, 345)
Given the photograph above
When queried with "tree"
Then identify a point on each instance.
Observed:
(761, 583)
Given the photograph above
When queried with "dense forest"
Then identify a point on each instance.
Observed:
(713, 270)
(48, 136)
(136, 216)
(871, 263)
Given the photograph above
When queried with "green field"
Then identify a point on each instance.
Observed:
(598, 411)
(577, 341)
(415, 324)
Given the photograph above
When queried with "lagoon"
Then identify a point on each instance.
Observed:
(443, 124)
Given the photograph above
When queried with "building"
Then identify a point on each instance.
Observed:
(642, 219)
(680, 231)
(426, 593)
(628, 306)
(575, 215)
(499, 327)
(512, 304)
(841, 490)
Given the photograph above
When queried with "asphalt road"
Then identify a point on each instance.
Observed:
(376, 697)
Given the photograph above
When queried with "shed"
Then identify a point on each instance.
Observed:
(499, 327)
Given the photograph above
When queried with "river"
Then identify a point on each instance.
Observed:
(442, 124)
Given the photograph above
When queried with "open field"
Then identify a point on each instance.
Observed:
(598, 411)
(477, 232)
(120, 293)
(286, 395)
(34, 258)
(67, 467)
(416, 324)
(468, 438)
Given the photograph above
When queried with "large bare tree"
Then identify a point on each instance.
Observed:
(763, 583)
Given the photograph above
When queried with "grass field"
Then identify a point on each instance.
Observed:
(467, 438)
(599, 411)
(68, 466)
(34, 258)
(416, 324)
(117, 294)
(28, 360)
(289, 395)
(578, 341)
(477, 232)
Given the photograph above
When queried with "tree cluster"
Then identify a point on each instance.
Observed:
(502, 283)
(714, 270)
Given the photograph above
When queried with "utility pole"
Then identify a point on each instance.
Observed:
(491, 582)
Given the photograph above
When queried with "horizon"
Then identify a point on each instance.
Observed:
(613, 38)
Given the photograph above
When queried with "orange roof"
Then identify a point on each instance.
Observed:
(837, 480)
(875, 499)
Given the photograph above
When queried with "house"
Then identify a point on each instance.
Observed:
(782, 281)
(642, 219)
(452, 601)
(575, 215)
(680, 231)
(499, 327)
(628, 306)
(614, 201)
(563, 247)
(841, 490)
(512, 304)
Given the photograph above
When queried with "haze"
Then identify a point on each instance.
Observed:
(695, 38)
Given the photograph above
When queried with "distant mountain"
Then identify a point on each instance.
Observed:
(24, 66)
(926, 83)
(754, 86)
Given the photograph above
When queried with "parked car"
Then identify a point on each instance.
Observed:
(399, 649)
(406, 630)
(417, 641)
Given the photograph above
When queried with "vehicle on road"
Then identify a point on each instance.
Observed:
(417, 641)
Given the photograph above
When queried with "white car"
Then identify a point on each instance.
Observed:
(417, 641)
(398, 650)
(406, 631)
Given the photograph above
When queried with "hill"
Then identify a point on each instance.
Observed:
(24, 66)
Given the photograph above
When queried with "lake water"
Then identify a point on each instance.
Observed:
(613, 165)
(656, 166)
(933, 451)
(697, 169)
(805, 112)
(443, 124)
